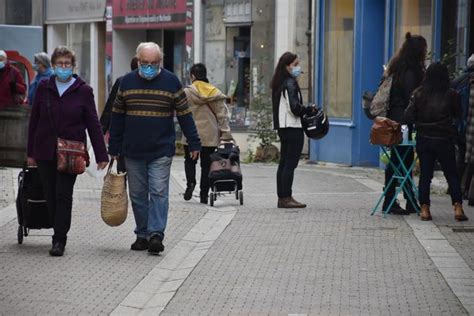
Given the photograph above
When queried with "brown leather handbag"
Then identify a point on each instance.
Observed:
(385, 132)
(72, 156)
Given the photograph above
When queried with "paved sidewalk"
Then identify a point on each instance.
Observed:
(331, 258)
(98, 269)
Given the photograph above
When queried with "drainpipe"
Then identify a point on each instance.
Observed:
(309, 36)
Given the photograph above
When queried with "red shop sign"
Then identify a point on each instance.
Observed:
(133, 14)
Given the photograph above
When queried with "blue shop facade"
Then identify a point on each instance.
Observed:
(353, 40)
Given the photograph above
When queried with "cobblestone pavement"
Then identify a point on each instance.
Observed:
(331, 258)
(7, 191)
(98, 269)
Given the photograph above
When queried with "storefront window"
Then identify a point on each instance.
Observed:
(414, 16)
(79, 39)
(338, 57)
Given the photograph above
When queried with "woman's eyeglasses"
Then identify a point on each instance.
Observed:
(66, 64)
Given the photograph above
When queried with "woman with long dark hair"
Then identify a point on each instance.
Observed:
(287, 111)
(434, 108)
(407, 69)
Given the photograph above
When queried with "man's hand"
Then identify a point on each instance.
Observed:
(102, 165)
(194, 155)
(30, 162)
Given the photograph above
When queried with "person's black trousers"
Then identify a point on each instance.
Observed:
(190, 168)
(410, 155)
(291, 140)
(428, 150)
(58, 188)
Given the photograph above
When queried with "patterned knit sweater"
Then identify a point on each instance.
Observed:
(142, 123)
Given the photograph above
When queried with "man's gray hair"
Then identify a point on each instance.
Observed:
(145, 45)
(470, 61)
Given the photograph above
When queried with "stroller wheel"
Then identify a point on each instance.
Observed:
(236, 193)
(20, 234)
(25, 231)
(241, 197)
(211, 199)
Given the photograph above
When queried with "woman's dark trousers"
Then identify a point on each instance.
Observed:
(428, 150)
(190, 168)
(58, 188)
(291, 140)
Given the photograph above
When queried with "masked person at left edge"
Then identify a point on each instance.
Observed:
(11, 82)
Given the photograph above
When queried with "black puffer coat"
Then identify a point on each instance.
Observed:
(434, 114)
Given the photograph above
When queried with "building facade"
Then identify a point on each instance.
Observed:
(80, 25)
(21, 27)
(353, 40)
(168, 23)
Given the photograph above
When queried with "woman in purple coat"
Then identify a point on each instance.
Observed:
(72, 112)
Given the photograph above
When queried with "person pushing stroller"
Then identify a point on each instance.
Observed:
(210, 114)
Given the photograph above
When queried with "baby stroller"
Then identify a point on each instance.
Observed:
(225, 174)
(31, 207)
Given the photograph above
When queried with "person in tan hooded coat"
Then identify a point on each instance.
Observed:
(210, 115)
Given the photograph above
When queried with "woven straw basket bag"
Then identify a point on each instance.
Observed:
(114, 199)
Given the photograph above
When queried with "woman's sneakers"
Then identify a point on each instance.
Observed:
(395, 209)
(459, 213)
(289, 202)
(57, 250)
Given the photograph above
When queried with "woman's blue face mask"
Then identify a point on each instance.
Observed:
(63, 73)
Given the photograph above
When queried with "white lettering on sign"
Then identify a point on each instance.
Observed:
(85, 5)
(157, 18)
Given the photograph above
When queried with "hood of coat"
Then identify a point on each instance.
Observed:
(76, 85)
(201, 92)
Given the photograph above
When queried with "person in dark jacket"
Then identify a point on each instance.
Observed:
(43, 69)
(72, 112)
(407, 68)
(434, 108)
(288, 108)
(11, 82)
(107, 112)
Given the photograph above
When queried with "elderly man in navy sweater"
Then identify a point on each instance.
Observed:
(142, 131)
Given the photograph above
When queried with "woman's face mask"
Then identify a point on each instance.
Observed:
(63, 73)
(295, 71)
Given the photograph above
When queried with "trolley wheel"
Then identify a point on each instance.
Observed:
(236, 193)
(20, 234)
(241, 197)
(26, 231)
(211, 199)
(215, 196)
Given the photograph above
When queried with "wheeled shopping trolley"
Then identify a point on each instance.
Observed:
(225, 174)
(31, 207)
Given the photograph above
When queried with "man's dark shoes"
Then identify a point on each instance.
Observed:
(57, 250)
(140, 244)
(188, 194)
(396, 209)
(155, 245)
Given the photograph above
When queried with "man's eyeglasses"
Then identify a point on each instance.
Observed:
(66, 64)
(153, 64)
